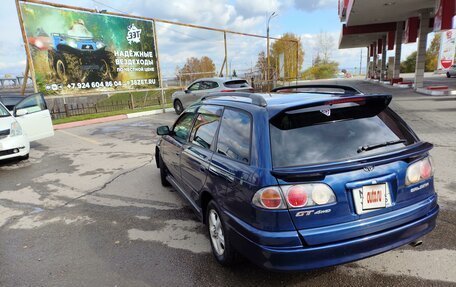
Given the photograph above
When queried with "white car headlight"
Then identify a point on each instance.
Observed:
(100, 45)
(72, 43)
(16, 129)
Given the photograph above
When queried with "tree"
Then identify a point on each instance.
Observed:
(325, 44)
(262, 64)
(432, 55)
(287, 44)
(321, 70)
(196, 68)
(408, 65)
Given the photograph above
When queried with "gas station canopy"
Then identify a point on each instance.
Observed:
(366, 21)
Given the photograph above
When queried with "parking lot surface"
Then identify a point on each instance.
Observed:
(88, 209)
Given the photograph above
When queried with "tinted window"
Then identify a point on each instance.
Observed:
(234, 135)
(294, 143)
(206, 85)
(195, 86)
(183, 125)
(205, 126)
(237, 84)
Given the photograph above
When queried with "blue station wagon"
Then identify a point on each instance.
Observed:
(300, 178)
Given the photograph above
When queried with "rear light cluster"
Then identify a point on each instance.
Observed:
(294, 196)
(418, 171)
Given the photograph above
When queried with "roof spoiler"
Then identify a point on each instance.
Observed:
(314, 88)
(256, 99)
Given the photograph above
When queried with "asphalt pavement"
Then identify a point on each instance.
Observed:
(87, 209)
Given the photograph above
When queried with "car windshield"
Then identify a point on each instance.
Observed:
(3, 111)
(10, 102)
(300, 139)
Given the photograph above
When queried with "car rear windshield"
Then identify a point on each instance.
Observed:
(310, 138)
(237, 84)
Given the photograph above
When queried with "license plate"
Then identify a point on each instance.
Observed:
(374, 196)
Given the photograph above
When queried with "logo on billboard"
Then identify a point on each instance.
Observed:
(134, 34)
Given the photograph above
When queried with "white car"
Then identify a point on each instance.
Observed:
(30, 120)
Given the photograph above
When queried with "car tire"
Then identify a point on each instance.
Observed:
(163, 172)
(222, 250)
(178, 107)
(448, 75)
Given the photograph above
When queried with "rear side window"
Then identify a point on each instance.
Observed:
(303, 139)
(234, 135)
(207, 85)
(205, 126)
(237, 84)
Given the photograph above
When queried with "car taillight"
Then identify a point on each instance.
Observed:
(418, 171)
(269, 197)
(296, 196)
(227, 91)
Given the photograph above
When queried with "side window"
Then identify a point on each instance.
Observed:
(234, 136)
(195, 86)
(206, 125)
(210, 85)
(183, 125)
(32, 104)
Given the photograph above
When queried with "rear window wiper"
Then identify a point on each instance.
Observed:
(375, 146)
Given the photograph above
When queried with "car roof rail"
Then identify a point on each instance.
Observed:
(348, 90)
(256, 99)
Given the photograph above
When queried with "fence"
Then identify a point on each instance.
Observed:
(118, 102)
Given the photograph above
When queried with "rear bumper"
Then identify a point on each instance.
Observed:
(313, 257)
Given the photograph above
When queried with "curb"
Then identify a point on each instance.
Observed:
(109, 119)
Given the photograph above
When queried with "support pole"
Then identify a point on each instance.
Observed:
(421, 48)
(297, 61)
(24, 81)
(384, 52)
(367, 62)
(160, 79)
(397, 55)
(226, 55)
(27, 49)
(374, 64)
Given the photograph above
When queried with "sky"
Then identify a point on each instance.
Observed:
(305, 18)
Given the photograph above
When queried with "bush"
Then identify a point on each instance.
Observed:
(322, 70)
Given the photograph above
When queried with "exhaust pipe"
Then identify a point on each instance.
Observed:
(416, 243)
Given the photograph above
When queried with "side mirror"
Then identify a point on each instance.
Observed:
(187, 91)
(20, 112)
(163, 131)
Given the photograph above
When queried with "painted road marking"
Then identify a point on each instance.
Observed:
(89, 140)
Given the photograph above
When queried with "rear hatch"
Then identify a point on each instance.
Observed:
(353, 145)
(237, 86)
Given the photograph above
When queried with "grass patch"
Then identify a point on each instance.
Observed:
(105, 114)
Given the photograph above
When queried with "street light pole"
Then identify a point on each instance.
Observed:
(267, 48)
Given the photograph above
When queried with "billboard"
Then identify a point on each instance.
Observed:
(447, 49)
(74, 52)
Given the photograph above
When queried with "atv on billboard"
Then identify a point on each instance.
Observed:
(75, 52)
(447, 49)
